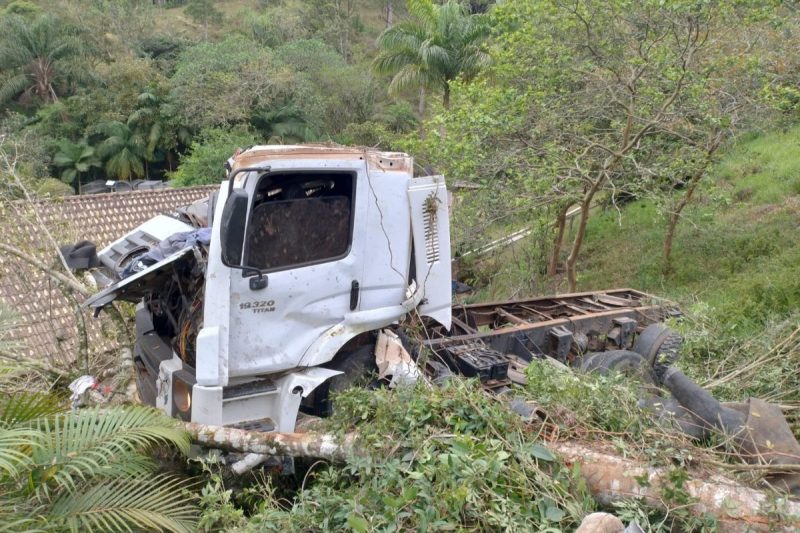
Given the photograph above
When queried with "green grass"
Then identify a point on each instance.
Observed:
(736, 265)
(734, 252)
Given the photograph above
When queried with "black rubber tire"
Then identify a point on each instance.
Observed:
(658, 344)
(670, 350)
(358, 366)
(623, 361)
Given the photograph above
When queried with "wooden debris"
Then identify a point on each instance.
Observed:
(609, 478)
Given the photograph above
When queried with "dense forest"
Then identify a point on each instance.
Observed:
(642, 143)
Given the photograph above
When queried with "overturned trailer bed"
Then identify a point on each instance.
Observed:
(495, 341)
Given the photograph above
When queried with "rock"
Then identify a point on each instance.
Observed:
(601, 523)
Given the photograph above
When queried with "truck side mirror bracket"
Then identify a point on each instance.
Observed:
(257, 283)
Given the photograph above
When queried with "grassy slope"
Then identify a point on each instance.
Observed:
(737, 244)
(236, 13)
(737, 265)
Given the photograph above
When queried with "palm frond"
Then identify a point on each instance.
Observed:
(15, 446)
(13, 86)
(160, 503)
(9, 321)
(24, 407)
(104, 442)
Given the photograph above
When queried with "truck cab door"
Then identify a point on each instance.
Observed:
(430, 228)
(300, 236)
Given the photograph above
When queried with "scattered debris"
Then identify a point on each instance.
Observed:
(393, 360)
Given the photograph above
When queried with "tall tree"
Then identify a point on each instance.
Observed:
(74, 159)
(433, 47)
(123, 150)
(39, 57)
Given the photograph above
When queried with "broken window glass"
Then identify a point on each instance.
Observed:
(299, 219)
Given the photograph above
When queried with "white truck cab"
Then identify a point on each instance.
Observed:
(311, 246)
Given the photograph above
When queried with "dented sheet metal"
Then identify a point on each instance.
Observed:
(134, 288)
(393, 360)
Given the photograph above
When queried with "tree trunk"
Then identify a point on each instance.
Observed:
(675, 215)
(577, 243)
(615, 479)
(609, 478)
(672, 223)
(307, 445)
(561, 225)
(389, 13)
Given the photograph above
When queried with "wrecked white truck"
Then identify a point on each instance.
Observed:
(310, 261)
(284, 286)
(311, 252)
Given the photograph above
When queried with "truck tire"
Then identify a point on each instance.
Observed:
(358, 366)
(658, 344)
(623, 361)
(359, 369)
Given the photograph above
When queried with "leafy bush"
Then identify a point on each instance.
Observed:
(88, 470)
(203, 164)
(439, 458)
(606, 403)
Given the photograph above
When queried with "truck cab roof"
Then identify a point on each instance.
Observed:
(376, 160)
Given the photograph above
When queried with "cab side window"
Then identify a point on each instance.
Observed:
(300, 219)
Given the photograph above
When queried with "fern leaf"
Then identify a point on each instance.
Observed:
(161, 503)
(15, 447)
(103, 442)
(28, 406)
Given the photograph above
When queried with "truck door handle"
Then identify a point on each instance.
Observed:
(354, 293)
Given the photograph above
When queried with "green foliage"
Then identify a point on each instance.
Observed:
(438, 44)
(23, 8)
(74, 159)
(40, 58)
(330, 93)
(218, 83)
(123, 150)
(373, 134)
(451, 458)
(282, 125)
(398, 117)
(336, 22)
(203, 12)
(207, 154)
(277, 25)
(607, 403)
(88, 470)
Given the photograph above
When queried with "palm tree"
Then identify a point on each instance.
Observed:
(436, 45)
(282, 124)
(74, 159)
(86, 470)
(156, 121)
(124, 150)
(147, 120)
(38, 56)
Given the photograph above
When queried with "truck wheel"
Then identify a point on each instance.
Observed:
(623, 361)
(658, 344)
(358, 367)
